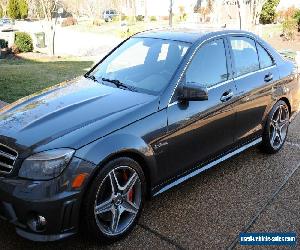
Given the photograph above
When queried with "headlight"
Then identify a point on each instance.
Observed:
(46, 165)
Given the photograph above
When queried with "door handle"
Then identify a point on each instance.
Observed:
(227, 96)
(268, 77)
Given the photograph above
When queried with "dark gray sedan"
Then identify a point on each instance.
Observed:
(159, 109)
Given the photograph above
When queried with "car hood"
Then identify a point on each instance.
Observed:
(83, 108)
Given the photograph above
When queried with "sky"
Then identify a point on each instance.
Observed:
(288, 3)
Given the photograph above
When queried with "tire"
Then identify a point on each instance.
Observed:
(276, 128)
(109, 196)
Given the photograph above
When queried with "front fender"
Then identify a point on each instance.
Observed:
(101, 150)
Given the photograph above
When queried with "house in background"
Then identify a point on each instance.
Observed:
(224, 12)
(157, 8)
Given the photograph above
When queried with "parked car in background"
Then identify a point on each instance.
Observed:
(6, 24)
(162, 107)
(108, 15)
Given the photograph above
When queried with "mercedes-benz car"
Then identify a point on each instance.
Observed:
(160, 108)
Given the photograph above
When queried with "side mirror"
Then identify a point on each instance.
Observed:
(190, 91)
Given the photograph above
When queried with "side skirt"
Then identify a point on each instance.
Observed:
(208, 166)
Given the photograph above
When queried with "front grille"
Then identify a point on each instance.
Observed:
(8, 157)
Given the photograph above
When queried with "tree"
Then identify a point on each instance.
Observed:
(256, 8)
(249, 12)
(13, 9)
(268, 12)
(207, 10)
(209, 6)
(297, 17)
(49, 8)
(23, 8)
(1, 11)
(198, 6)
(4, 5)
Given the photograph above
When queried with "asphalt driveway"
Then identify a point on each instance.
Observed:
(252, 192)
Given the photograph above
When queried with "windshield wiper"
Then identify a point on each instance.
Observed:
(118, 84)
(92, 77)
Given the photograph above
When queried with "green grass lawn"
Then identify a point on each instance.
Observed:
(114, 28)
(19, 78)
(271, 30)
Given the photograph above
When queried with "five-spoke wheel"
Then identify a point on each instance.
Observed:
(276, 128)
(118, 200)
(114, 201)
(279, 126)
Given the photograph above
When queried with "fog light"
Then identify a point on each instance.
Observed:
(37, 223)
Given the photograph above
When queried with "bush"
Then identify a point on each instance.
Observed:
(98, 22)
(17, 9)
(23, 8)
(124, 18)
(289, 28)
(115, 18)
(286, 14)
(3, 44)
(13, 9)
(140, 18)
(268, 13)
(23, 42)
(297, 18)
(153, 19)
(69, 21)
(1, 11)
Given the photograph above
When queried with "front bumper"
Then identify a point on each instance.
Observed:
(23, 200)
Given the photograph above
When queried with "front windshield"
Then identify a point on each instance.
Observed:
(145, 64)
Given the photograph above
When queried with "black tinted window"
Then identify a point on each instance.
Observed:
(245, 55)
(209, 65)
(264, 58)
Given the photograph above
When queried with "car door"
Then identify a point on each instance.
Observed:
(199, 130)
(254, 75)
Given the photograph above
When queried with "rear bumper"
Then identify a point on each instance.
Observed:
(22, 201)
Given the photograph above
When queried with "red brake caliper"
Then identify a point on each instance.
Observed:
(130, 193)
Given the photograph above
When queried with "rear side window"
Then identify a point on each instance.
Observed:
(244, 54)
(209, 65)
(264, 57)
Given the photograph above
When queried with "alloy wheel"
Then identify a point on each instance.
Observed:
(118, 200)
(279, 126)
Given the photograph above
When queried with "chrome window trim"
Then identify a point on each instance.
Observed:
(234, 78)
(230, 80)
(268, 52)
(196, 50)
(208, 166)
(254, 72)
(214, 86)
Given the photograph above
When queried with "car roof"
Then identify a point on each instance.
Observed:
(190, 35)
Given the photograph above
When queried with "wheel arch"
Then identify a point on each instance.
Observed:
(270, 107)
(134, 155)
(286, 100)
(116, 146)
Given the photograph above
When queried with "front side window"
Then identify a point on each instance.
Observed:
(147, 64)
(264, 58)
(244, 54)
(209, 66)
